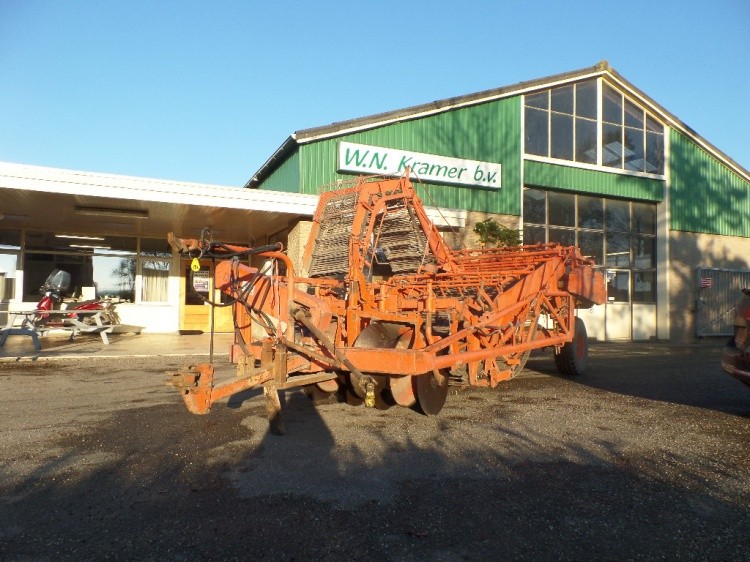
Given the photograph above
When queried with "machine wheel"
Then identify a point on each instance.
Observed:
(351, 398)
(515, 369)
(381, 335)
(431, 391)
(573, 357)
(356, 393)
(525, 355)
(504, 367)
(524, 359)
(319, 396)
(402, 391)
(384, 400)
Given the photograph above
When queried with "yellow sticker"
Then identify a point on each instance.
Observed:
(195, 265)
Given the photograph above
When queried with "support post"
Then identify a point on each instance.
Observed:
(273, 408)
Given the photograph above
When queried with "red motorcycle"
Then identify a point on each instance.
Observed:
(52, 291)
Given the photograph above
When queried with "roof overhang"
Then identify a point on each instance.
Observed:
(57, 199)
(41, 198)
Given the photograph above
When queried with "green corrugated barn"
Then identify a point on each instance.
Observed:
(581, 158)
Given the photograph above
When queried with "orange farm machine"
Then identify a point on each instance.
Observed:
(387, 313)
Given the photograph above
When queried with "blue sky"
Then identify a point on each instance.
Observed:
(206, 91)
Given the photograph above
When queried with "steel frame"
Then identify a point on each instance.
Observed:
(475, 314)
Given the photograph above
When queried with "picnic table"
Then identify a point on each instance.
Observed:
(38, 323)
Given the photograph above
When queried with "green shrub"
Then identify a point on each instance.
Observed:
(492, 233)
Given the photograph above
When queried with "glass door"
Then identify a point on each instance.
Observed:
(618, 314)
(196, 288)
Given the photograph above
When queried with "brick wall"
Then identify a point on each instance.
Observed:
(688, 251)
(465, 238)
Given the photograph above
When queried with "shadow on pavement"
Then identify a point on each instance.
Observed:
(156, 483)
(688, 374)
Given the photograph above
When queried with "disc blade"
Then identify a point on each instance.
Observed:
(432, 390)
(402, 389)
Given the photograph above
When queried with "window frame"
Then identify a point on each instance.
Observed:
(627, 236)
(636, 124)
(138, 255)
(155, 256)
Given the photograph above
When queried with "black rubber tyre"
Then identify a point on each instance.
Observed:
(573, 357)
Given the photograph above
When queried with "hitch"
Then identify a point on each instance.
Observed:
(195, 384)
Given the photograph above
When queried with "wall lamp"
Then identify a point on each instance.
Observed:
(111, 212)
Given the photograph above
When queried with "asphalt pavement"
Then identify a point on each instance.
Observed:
(646, 456)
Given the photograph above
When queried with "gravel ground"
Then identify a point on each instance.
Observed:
(645, 457)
